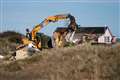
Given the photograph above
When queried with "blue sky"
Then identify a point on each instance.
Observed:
(22, 14)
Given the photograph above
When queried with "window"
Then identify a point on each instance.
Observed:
(107, 39)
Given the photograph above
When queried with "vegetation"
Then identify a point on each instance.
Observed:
(81, 62)
(8, 41)
(118, 39)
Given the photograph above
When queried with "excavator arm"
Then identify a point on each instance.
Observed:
(45, 22)
(49, 19)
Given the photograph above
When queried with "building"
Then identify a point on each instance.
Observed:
(89, 34)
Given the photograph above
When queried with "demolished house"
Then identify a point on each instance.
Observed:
(100, 35)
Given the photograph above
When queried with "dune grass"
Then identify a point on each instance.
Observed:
(82, 62)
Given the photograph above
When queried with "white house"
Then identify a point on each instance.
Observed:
(106, 37)
(97, 34)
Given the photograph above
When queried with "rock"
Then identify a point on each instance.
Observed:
(1, 57)
(25, 52)
(21, 54)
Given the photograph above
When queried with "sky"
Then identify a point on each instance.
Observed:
(18, 15)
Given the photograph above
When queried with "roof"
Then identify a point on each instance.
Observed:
(61, 29)
(93, 30)
(88, 30)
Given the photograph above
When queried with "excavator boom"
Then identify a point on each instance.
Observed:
(48, 20)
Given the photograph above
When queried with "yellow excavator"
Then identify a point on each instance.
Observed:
(58, 35)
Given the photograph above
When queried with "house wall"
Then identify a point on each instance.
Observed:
(107, 33)
(76, 37)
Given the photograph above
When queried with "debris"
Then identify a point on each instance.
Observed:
(1, 57)
(26, 52)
